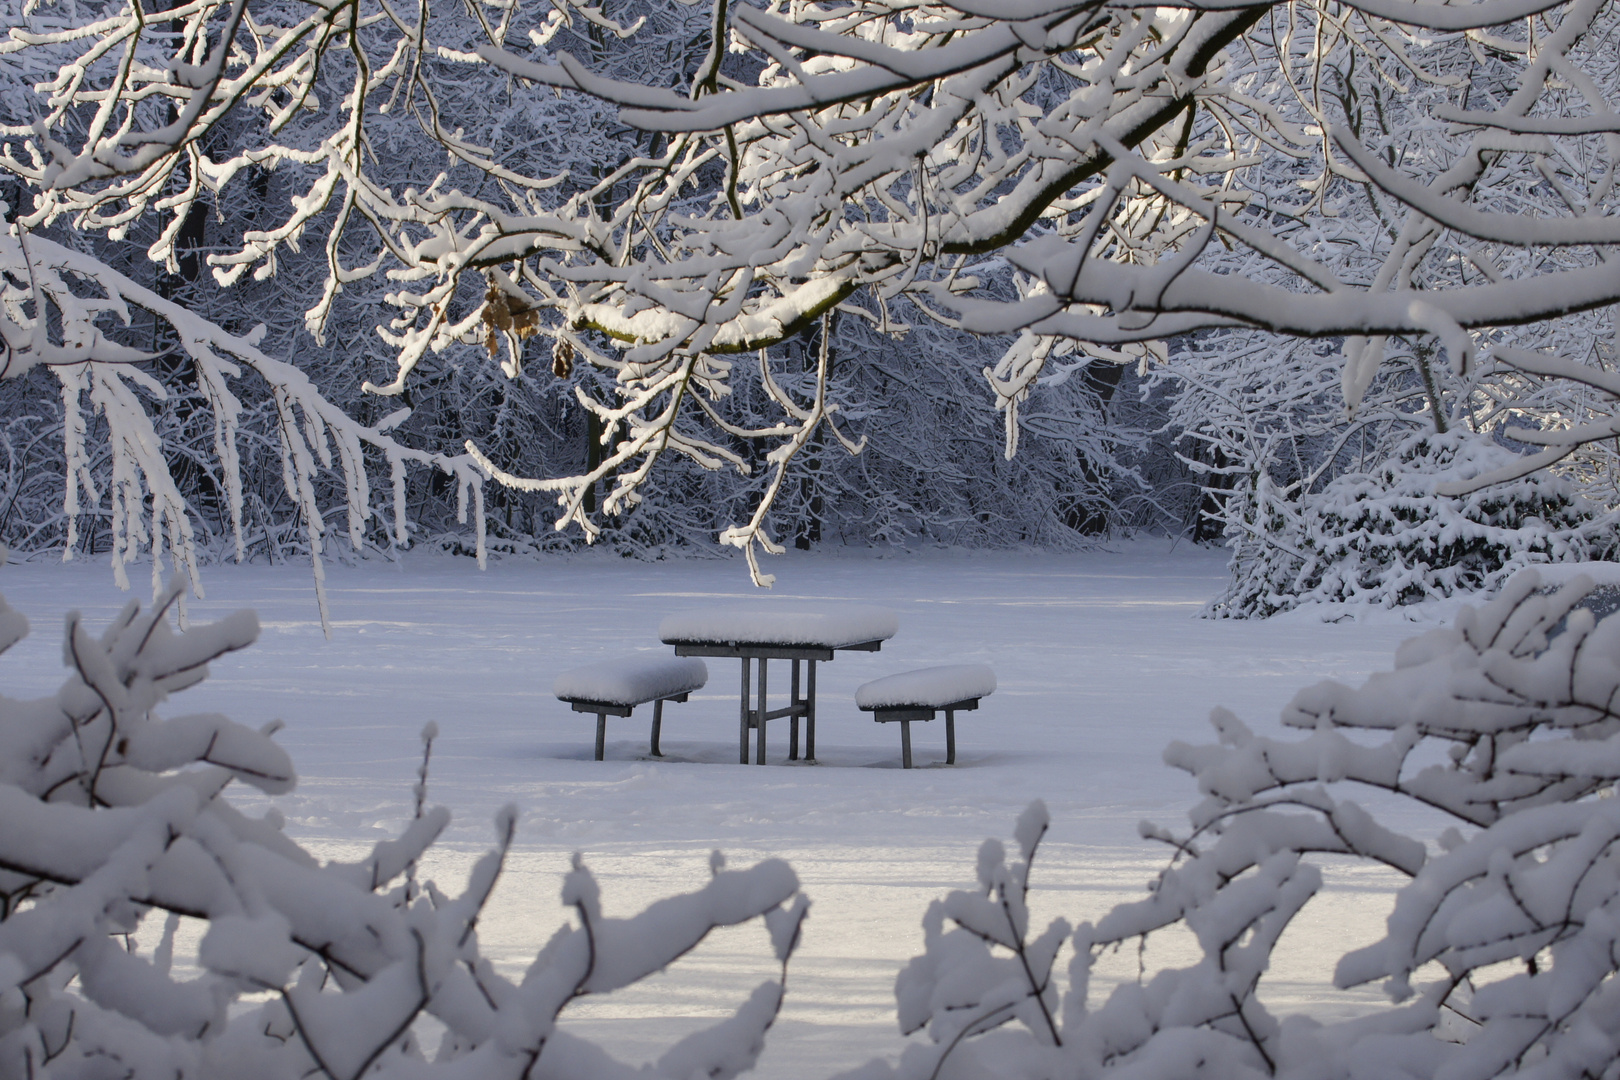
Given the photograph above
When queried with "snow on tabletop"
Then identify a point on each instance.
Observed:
(825, 625)
(925, 687)
(632, 680)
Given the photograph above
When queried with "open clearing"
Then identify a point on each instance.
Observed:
(1101, 661)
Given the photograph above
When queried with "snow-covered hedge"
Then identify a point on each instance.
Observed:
(1500, 956)
(1501, 952)
(111, 816)
(1384, 536)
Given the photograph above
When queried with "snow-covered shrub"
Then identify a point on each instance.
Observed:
(112, 818)
(1382, 536)
(1501, 952)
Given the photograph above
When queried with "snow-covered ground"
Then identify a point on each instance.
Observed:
(1100, 662)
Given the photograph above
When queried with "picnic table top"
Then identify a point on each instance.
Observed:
(815, 626)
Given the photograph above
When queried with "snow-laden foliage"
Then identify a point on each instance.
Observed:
(1501, 951)
(1295, 485)
(937, 475)
(1500, 955)
(117, 833)
(933, 466)
(1384, 537)
(99, 376)
(1102, 156)
(1392, 177)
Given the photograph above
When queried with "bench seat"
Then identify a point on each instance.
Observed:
(918, 695)
(615, 687)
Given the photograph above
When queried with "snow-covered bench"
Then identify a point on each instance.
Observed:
(918, 695)
(616, 687)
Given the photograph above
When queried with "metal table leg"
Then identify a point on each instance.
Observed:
(759, 739)
(601, 734)
(905, 744)
(793, 720)
(742, 738)
(810, 715)
(950, 736)
(658, 724)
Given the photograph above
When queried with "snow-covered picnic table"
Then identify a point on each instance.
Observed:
(772, 631)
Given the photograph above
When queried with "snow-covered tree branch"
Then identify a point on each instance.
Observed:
(1389, 177)
(118, 818)
(46, 280)
(1499, 956)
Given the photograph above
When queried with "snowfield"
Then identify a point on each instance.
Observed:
(1099, 659)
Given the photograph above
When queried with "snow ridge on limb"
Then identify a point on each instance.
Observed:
(986, 971)
(1436, 16)
(1560, 441)
(1445, 17)
(1501, 951)
(114, 816)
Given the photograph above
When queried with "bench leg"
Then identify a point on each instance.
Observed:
(950, 736)
(658, 725)
(793, 720)
(601, 734)
(742, 737)
(810, 715)
(759, 738)
(905, 744)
